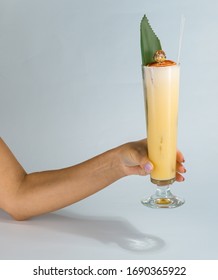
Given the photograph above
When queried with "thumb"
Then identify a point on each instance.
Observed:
(148, 167)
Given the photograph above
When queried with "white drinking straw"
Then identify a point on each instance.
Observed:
(182, 25)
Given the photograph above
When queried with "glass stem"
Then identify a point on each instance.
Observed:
(163, 191)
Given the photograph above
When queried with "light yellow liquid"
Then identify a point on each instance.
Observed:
(161, 89)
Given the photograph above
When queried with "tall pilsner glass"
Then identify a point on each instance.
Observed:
(161, 94)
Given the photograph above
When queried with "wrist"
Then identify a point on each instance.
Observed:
(120, 159)
(116, 163)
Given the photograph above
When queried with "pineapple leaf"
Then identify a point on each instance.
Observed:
(150, 43)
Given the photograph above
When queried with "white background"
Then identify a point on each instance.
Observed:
(71, 88)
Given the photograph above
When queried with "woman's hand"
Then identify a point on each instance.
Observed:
(135, 161)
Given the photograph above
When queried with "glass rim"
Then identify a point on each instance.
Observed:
(161, 67)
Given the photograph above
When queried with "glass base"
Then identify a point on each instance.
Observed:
(163, 198)
(163, 182)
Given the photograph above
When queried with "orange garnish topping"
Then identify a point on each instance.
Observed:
(162, 64)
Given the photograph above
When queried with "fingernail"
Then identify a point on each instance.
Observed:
(148, 167)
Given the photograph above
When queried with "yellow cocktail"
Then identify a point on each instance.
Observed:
(161, 89)
(161, 95)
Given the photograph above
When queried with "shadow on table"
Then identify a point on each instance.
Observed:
(103, 229)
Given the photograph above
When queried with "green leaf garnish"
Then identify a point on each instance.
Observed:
(149, 42)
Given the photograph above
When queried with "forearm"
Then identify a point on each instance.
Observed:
(48, 191)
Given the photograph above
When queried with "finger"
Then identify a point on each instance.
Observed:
(179, 157)
(138, 170)
(180, 168)
(148, 167)
(179, 178)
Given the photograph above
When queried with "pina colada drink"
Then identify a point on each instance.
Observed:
(161, 94)
(161, 90)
